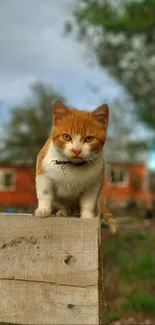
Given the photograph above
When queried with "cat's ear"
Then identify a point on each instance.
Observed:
(101, 114)
(59, 112)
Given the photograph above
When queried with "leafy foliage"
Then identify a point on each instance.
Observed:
(122, 36)
(29, 125)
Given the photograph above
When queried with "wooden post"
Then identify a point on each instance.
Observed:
(49, 270)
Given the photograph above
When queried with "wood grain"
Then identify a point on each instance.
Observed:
(35, 249)
(48, 270)
(24, 302)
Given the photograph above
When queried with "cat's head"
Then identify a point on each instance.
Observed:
(79, 135)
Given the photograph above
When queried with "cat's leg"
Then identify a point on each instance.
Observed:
(45, 196)
(88, 202)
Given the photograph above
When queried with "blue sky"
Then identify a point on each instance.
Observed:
(151, 161)
(33, 48)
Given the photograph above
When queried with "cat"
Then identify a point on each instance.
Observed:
(70, 166)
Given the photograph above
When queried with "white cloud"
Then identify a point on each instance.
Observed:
(33, 48)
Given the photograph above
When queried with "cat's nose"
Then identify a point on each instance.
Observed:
(77, 151)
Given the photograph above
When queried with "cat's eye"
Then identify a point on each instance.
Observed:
(66, 137)
(89, 139)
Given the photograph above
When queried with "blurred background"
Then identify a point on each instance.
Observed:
(87, 52)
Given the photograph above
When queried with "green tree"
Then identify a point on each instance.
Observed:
(122, 36)
(29, 125)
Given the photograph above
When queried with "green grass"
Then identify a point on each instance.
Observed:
(130, 273)
(138, 236)
(111, 317)
(142, 300)
(144, 268)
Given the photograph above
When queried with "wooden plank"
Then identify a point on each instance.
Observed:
(35, 249)
(24, 302)
(49, 271)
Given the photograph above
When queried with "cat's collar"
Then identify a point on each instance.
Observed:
(64, 162)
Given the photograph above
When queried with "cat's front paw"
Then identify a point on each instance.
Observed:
(42, 213)
(62, 214)
(86, 214)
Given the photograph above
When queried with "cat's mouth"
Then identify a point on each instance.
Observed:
(74, 162)
(67, 162)
(80, 161)
(76, 159)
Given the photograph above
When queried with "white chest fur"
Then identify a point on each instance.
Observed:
(69, 181)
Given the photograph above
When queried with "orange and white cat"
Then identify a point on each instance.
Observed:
(70, 166)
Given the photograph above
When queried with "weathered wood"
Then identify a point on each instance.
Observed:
(44, 303)
(48, 270)
(35, 249)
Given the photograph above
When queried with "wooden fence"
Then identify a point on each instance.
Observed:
(50, 271)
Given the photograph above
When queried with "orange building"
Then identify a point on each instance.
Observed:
(17, 186)
(124, 181)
